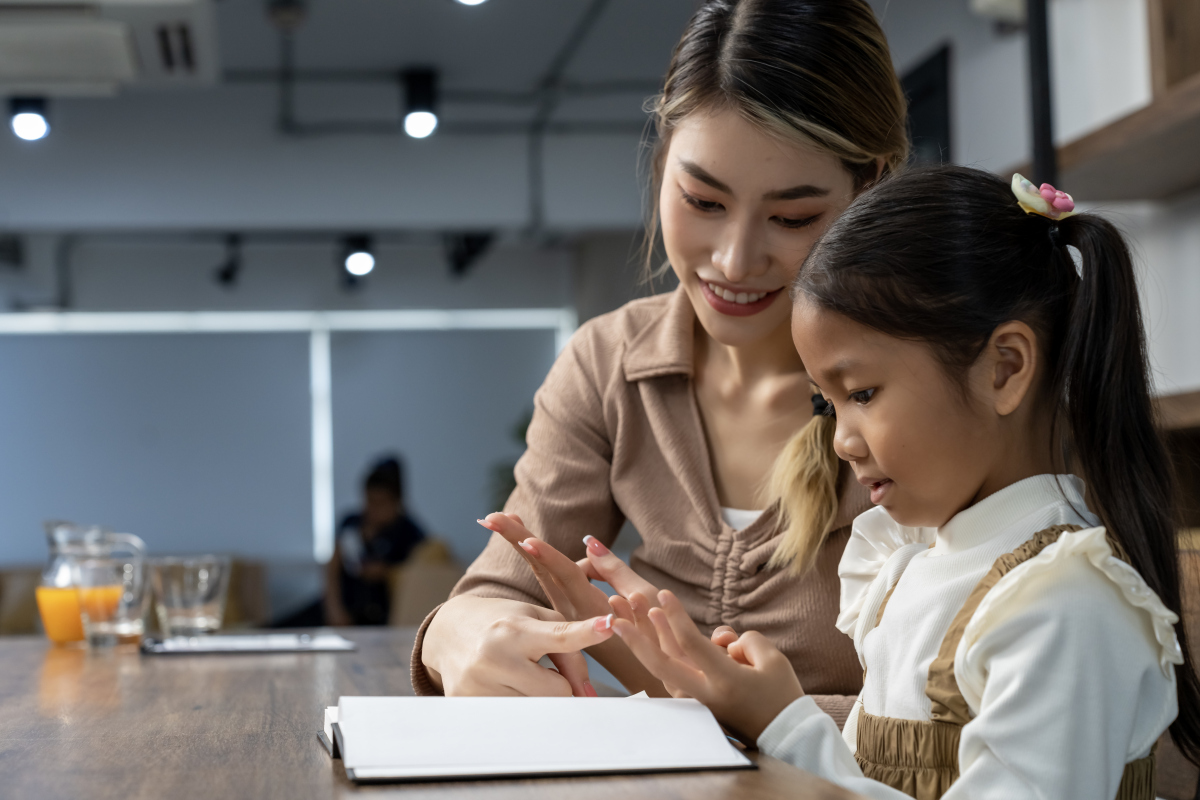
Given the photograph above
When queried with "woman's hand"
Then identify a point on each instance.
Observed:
(746, 684)
(491, 647)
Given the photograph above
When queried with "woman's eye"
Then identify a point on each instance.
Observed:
(785, 222)
(702, 205)
(862, 396)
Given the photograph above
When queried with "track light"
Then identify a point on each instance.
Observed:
(464, 249)
(420, 102)
(28, 118)
(227, 274)
(357, 259)
(471, 2)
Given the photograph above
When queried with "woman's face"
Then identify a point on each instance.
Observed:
(740, 209)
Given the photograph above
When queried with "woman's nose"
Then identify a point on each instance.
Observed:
(741, 253)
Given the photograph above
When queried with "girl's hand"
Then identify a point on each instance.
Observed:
(746, 685)
(490, 647)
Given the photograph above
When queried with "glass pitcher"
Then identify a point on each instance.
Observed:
(69, 545)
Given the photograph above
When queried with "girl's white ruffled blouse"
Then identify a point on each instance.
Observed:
(1067, 665)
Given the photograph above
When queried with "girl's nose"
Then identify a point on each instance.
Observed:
(848, 444)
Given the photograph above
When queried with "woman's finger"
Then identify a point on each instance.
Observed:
(671, 672)
(615, 572)
(514, 532)
(621, 608)
(586, 599)
(573, 667)
(539, 637)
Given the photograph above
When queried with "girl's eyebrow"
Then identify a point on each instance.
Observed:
(800, 192)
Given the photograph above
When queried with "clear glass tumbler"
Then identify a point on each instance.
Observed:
(112, 599)
(189, 593)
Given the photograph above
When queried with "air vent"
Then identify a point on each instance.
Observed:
(60, 48)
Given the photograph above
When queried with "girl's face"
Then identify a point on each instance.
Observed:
(924, 450)
(740, 210)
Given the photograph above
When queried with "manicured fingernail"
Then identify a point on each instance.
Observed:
(590, 690)
(593, 544)
(603, 623)
(529, 547)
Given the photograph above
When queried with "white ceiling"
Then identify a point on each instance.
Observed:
(499, 46)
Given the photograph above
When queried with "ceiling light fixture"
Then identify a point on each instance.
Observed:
(420, 102)
(28, 118)
(357, 259)
(472, 2)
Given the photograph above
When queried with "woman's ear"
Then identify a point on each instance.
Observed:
(1012, 358)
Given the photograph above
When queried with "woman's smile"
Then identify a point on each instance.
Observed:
(736, 302)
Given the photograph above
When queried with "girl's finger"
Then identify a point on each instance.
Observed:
(586, 599)
(692, 642)
(559, 599)
(671, 672)
(666, 637)
(724, 636)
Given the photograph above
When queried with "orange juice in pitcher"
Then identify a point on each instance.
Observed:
(59, 597)
(59, 607)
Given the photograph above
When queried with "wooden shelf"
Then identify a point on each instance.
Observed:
(1151, 154)
(1179, 412)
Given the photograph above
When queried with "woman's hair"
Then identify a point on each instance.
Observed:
(945, 255)
(817, 73)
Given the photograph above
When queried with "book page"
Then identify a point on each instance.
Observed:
(423, 737)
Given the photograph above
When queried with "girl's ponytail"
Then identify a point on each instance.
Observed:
(1102, 376)
(804, 481)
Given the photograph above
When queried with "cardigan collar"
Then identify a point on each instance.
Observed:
(665, 346)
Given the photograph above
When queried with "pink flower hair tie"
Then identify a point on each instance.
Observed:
(1043, 200)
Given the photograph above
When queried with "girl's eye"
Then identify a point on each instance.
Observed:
(792, 224)
(697, 203)
(862, 396)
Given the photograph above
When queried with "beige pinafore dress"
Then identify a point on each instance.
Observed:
(920, 758)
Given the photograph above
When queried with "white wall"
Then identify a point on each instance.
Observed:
(1100, 55)
(214, 159)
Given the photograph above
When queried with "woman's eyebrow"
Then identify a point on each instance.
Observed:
(797, 193)
(794, 193)
(699, 173)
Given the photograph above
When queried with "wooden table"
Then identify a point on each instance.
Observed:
(79, 725)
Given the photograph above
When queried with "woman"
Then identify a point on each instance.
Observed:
(670, 411)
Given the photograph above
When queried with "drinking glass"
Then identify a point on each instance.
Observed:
(189, 593)
(112, 599)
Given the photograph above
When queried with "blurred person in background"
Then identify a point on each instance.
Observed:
(369, 544)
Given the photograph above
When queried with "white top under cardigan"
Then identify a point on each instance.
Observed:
(1067, 665)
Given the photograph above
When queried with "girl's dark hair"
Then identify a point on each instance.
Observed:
(944, 256)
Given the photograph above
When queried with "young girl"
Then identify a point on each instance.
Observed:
(1018, 631)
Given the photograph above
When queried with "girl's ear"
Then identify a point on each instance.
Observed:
(1012, 359)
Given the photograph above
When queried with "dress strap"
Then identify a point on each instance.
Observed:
(947, 702)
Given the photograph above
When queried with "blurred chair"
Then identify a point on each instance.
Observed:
(18, 601)
(422, 582)
(248, 604)
(1178, 778)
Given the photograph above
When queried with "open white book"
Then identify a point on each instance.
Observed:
(431, 738)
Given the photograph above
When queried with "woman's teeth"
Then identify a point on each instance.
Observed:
(741, 298)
